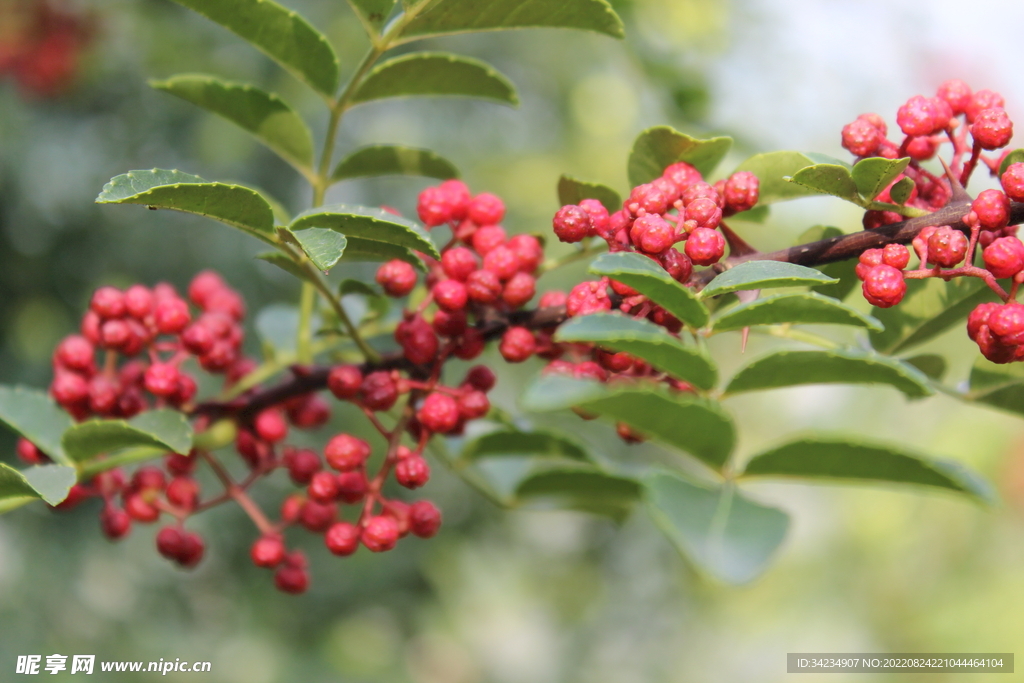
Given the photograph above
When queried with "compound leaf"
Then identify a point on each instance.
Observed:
(49, 482)
(367, 224)
(799, 308)
(772, 169)
(513, 442)
(573, 191)
(873, 174)
(659, 147)
(645, 276)
(588, 490)
(373, 13)
(378, 160)
(463, 16)
(324, 247)
(157, 428)
(751, 275)
(831, 179)
(34, 415)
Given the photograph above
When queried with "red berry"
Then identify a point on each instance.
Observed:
(352, 486)
(1004, 257)
(138, 301)
(957, 95)
(69, 388)
(197, 339)
(650, 198)
(170, 542)
(552, 299)
(148, 478)
(226, 301)
(291, 508)
(947, 247)
(701, 190)
(344, 381)
(108, 302)
(517, 344)
(161, 379)
(449, 324)
(652, 233)
(488, 237)
(30, 453)
(1007, 323)
(599, 218)
(115, 334)
(451, 295)
(114, 522)
(923, 115)
(439, 413)
(992, 208)
(896, 255)
(292, 580)
(741, 192)
(90, 327)
(435, 206)
(982, 100)
(398, 278)
(345, 452)
(268, 551)
(317, 517)
(424, 519)
(920, 149)
(586, 298)
(412, 472)
(380, 533)
(1013, 181)
(458, 197)
(502, 261)
(323, 487)
(992, 128)
(486, 209)
(310, 412)
(470, 345)
(884, 286)
(480, 377)
(271, 426)
(204, 285)
(302, 464)
(473, 405)
(458, 263)
(179, 465)
(342, 539)
(183, 492)
(705, 246)
(483, 286)
(140, 509)
(76, 353)
(172, 316)
(519, 290)
(678, 264)
(682, 175)
(419, 343)
(379, 391)
(861, 138)
(572, 224)
(979, 318)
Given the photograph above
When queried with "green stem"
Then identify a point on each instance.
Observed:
(304, 352)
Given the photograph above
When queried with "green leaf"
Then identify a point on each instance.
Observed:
(717, 528)
(873, 174)
(8, 504)
(360, 250)
(34, 415)
(324, 247)
(651, 280)
(279, 33)
(840, 459)
(929, 308)
(263, 114)
(232, 204)
(157, 428)
(800, 308)
(751, 275)
(682, 421)
(367, 224)
(573, 191)
(1014, 157)
(828, 179)
(378, 160)
(435, 73)
(772, 169)
(356, 287)
(999, 386)
(644, 340)
(463, 16)
(373, 13)
(899, 193)
(849, 366)
(512, 442)
(49, 482)
(932, 365)
(284, 263)
(659, 147)
(588, 490)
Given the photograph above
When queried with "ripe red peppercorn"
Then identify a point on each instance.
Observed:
(378, 391)
(439, 413)
(424, 519)
(380, 533)
(884, 286)
(572, 224)
(947, 247)
(323, 487)
(267, 551)
(344, 381)
(458, 263)
(342, 539)
(412, 472)
(397, 277)
(345, 452)
(992, 128)
(705, 246)
(1004, 257)
(450, 295)
(517, 344)
(271, 426)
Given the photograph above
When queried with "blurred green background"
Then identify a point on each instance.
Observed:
(508, 597)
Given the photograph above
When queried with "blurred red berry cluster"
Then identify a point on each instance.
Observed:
(41, 43)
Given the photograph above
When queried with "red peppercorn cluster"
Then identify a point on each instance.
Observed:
(972, 122)
(142, 337)
(41, 45)
(943, 251)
